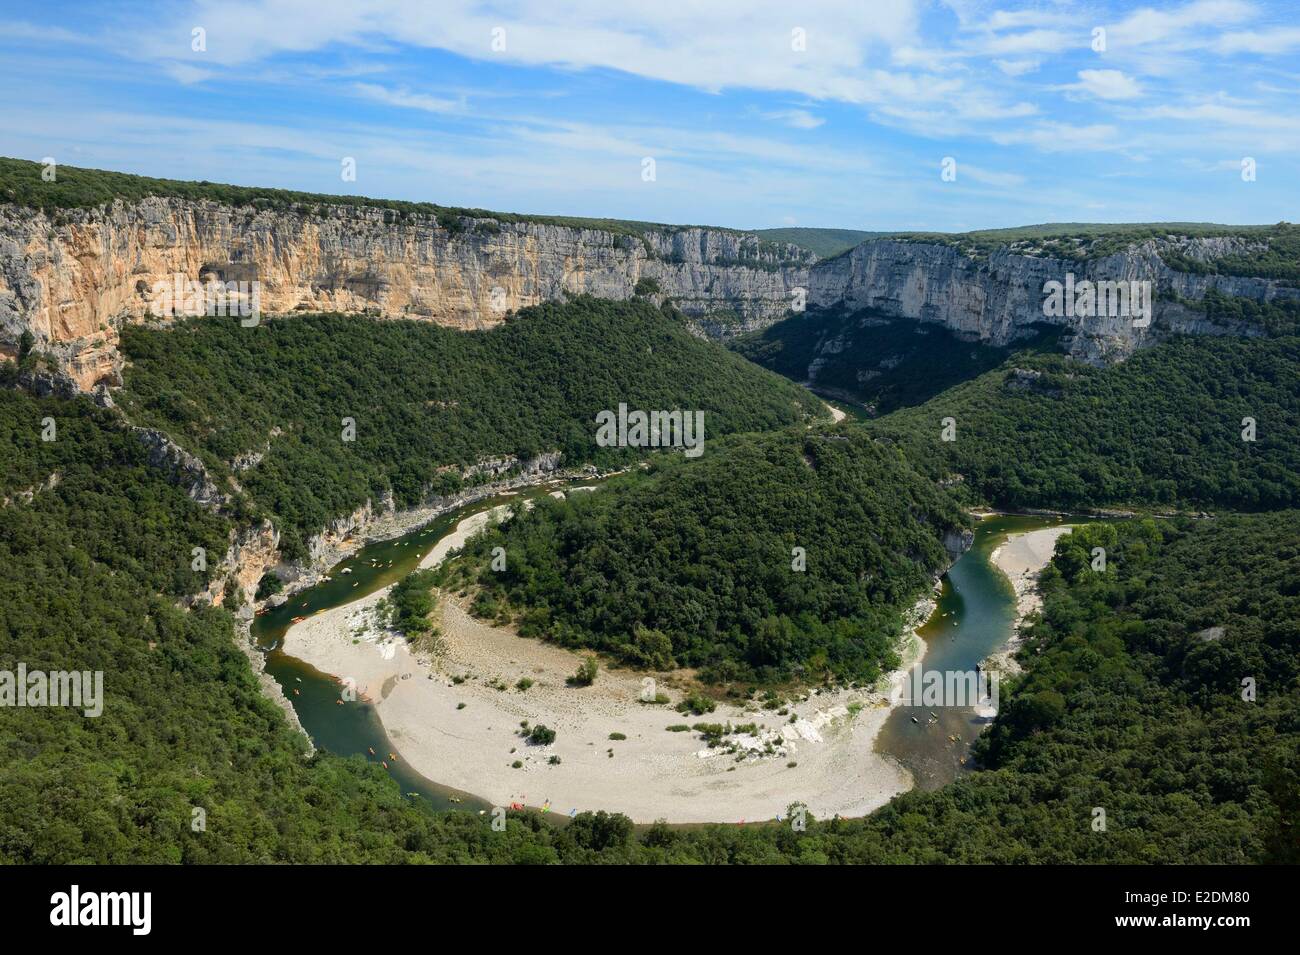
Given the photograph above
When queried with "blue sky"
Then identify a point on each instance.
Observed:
(748, 126)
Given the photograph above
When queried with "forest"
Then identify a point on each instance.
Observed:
(771, 557)
(1164, 428)
(427, 402)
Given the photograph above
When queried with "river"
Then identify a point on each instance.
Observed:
(355, 728)
(973, 619)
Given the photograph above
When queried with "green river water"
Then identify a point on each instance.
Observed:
(973, 618)
(354, 728)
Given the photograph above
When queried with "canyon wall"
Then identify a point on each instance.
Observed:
(996, 299)
(72, 281)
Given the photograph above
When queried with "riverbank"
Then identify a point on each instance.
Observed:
(1020, 559)
(331, 547)
(456, 718)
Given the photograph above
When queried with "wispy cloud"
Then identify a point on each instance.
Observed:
(408, 100)
(798, 118)
(755, 110)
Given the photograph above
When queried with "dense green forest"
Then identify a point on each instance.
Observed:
(1162, 428)
(693, 562)
(92, 567)
(882, 363)
(426, 401)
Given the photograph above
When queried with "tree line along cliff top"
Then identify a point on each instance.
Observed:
(21, 184)
(1277, 255)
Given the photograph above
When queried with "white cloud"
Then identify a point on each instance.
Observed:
(1148, 26)
(990, 177)
(1064, 137)
(1107, 84)
(718, 45)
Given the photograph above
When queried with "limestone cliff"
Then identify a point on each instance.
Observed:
(996, 299)
(74, 281)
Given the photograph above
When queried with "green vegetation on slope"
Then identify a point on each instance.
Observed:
(1131, 702)
(91, 570)
(884, 363)
(1162, 428)
(427, 401)
(693, 563)
(1278, 259)
(1088, 240)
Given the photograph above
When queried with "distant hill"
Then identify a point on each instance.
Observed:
(823, 242)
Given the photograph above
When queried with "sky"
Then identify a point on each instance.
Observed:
(869, 114)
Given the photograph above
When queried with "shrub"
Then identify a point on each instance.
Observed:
(697, 705)
(541, 735)
(586, 674)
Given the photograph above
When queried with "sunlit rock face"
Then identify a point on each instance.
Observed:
(74, 280)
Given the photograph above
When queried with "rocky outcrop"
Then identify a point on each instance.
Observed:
(957, 541)
(73, 283)
(253, 552)
(182, 468)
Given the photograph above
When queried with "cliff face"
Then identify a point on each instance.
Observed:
(996, 299)
(74, 282)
